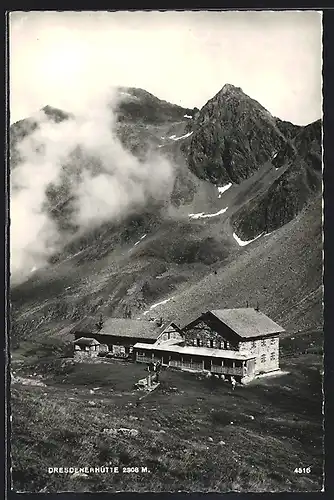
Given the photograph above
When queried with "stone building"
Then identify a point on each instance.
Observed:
(239, 343)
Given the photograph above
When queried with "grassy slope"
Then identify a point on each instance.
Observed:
(194, 434)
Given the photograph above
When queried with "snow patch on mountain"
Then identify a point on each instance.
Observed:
(156, 305)
(181, 137)
(202, 215)
(187, 116)
(222, 189)
(242, 243)
(144, 236)
(127, 94)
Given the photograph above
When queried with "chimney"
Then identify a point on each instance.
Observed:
(257, 307)
(247, 304)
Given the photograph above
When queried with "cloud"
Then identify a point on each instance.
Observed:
(80, 168)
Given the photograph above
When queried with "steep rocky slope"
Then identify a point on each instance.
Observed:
(301, 164)
(233, 135)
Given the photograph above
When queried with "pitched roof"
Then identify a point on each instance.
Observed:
(120, 327)
(130, 328)
(247, 322)
(86, 341)
(195, 351)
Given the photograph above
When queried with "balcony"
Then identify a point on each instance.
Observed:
(227, 370)
(143, 359)
(224, 370)
(183, 365)
(186, 366)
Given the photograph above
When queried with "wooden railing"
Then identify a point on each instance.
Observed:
(175, 364)
(227, 370)
(143, 359)
(186, 366)
(196, 366)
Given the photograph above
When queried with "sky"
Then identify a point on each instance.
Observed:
(63, 59)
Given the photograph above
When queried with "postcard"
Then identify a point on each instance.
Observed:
(166, 318)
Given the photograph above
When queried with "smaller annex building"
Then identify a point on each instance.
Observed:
(118, 335)
(239, 343)
(88, 347)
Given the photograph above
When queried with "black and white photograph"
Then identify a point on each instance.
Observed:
(166, 251)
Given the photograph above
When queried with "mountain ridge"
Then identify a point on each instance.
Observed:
(122, 267)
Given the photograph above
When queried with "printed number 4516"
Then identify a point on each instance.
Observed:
(302, 470)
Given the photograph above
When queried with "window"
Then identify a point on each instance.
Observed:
(141, 353)
(228, 345)
(263, 358)
(272, 341)
(208, 343)
(253, 344)
(272, 356)
(130, 349)
(263, 342)
(214, 344)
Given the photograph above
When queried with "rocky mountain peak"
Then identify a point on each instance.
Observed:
(233, 135)
(229, 88)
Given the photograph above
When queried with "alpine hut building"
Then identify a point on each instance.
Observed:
(238, 343)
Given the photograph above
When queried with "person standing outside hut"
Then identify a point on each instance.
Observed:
(233, 383)
(150, 369)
